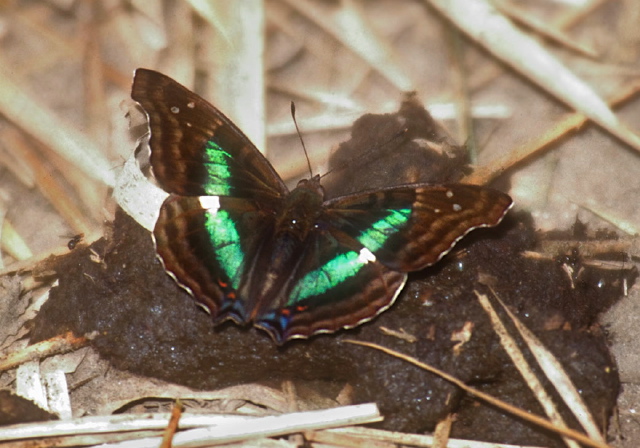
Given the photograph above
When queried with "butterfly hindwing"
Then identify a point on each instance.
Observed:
(207, 244)
(413, 226)
(333, 283)
(195, 149)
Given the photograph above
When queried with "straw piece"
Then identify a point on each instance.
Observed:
(537, 420)
(483, 23)
(13, 243)
(50, 347)
(237, 88)
(357, 37)
(358, 436)
(209, 429)
(267, 427)
(44, 125)
(485, 174)
(544, 28)
(557, 375)
(17, 167)
(627, 226)
(48, 184)
(179, 59)
(517, 357)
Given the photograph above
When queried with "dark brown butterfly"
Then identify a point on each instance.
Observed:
(290, 262)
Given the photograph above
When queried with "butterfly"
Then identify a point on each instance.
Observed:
(293, 263)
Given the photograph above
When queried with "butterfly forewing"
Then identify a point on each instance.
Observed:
(413, 226)
(195, 149)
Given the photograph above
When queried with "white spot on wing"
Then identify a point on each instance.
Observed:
(175, 110)
(211, 203)
(191, 104)
(449, 194)
(366, 256)
(457, 207)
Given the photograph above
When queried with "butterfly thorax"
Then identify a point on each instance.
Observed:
(300, 209)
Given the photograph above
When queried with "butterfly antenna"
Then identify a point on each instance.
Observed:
(306, 154)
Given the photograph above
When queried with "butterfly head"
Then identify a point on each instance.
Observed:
(312, 185)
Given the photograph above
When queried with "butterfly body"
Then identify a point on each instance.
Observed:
(291, 262)
(301, 209)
